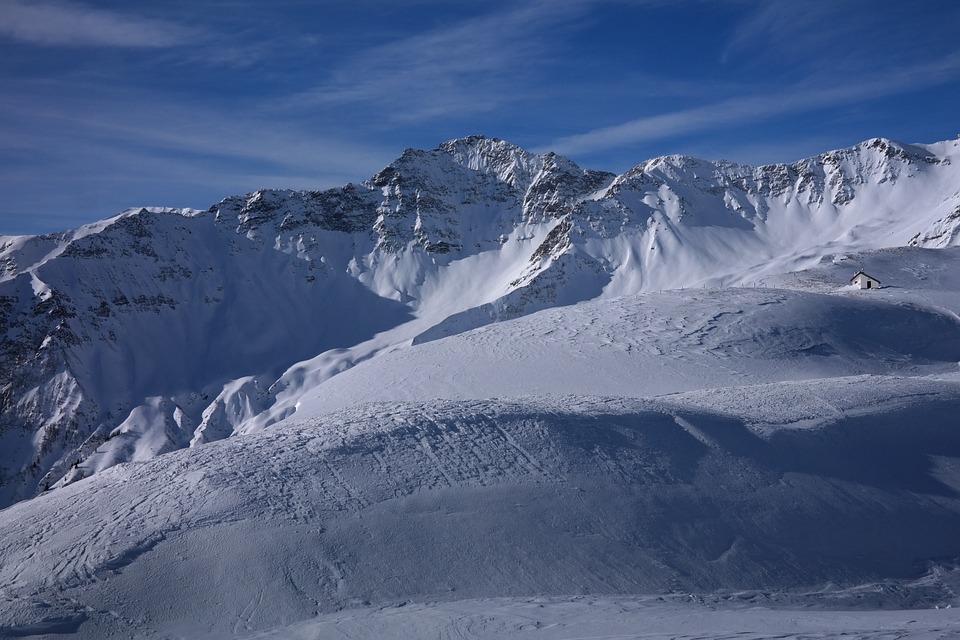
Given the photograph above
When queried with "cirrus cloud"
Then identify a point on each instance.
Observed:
(62, 24)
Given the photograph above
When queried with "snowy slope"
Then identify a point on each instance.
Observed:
(451, 500)
(161, 329)
(524, 398)
(578, 617)
(661, 343)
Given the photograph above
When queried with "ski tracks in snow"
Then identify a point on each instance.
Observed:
(337, 490)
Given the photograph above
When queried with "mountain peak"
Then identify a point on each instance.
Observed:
(512, 164)
(884, 149)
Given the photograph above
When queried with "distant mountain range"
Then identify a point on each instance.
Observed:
(160, 329)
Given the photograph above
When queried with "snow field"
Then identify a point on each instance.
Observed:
(466, 447)
(451, 500)
(657, 343)
(598, 618)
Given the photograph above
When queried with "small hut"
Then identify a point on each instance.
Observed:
(864, 281)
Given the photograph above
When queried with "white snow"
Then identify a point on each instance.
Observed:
(658, 343)
(645, 405)
(613, 618)
(450, 500)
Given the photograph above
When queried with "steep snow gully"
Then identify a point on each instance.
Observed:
(489, 394)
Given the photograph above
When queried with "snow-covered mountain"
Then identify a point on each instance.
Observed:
(161, 329)
(514, 393)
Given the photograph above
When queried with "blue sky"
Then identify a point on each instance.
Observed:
(106, 104)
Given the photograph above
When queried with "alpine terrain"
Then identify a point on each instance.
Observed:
(487, 393)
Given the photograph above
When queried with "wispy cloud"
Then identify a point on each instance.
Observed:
(80, 116)
(778, 27)
(803, 97)
(78, 148)
(467, 67)
(842, 35)
(64, 159)
(62, 24)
